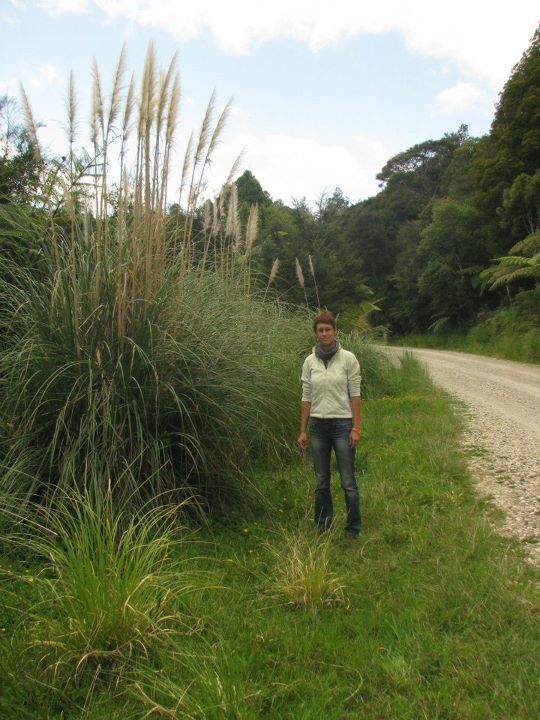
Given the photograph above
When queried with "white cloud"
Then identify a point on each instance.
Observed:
(57, 7)
(9, 86)
(42, 77)
(45, 76)
(288, 166)
(460, 97)
(485, 38)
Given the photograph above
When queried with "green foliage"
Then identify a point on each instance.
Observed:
(510, 332)
(316, 240)
(250, 191)
(515, 132)
(512, 148)
(20, 166)
(378, 376)
(20, 174)
(163, 406)
(108, 588)
(379, 228)
(515, 268)
(138, 359)
(441, 617)
(421, 168)
(520, 211)
(449, 255)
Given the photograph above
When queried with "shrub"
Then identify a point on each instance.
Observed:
(139, 358)
(108, 587)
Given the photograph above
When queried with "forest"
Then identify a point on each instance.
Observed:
(451, 241)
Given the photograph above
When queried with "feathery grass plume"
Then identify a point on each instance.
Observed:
(97, 111)
(31, 126)
(188, 159)
(164, 90)
(212, 144)
(126, 124)
(273, 274)
(186, 166)
(194, 185)
(252, 226)
(159, 170)
(128, 109)
(235, 167)
(72, 117)
(204, 135)
(218, 130)
(300, 278)
(115, 100)
(147, 101)
(202, 144)
(172, 120)
(299, 273)
(312, 271)
(217, 233)
(97, 126)
(251, 234)
(273, 271)
(113, 113)
(232, 225)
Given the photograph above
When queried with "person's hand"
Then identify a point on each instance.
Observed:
(302, 440)
(354, 437)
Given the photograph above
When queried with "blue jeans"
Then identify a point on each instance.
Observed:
(327, 434)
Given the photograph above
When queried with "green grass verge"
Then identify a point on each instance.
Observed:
(510, 344)
(431, 615)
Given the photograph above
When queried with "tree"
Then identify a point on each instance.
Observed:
(21, 221)
(522, 264)
(250, 190)
(20, 166)
(452, 258)
(410, 181)
(513, 146)
(520, 211)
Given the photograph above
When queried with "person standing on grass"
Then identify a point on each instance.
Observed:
(331, 405)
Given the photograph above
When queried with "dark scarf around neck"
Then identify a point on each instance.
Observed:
(326, 355)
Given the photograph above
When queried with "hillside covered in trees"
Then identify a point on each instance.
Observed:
(452, 239)
(452, 236)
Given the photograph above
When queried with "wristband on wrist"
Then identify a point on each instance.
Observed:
(356, 430)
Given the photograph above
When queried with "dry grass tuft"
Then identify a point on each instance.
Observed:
(303, 574)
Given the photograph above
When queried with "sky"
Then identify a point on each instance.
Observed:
(323, 92)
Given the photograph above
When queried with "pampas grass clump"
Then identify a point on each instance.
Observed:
(139, 358)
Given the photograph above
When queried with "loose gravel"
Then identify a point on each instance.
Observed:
(501, 403)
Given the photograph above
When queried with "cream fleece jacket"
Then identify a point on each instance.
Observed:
(328, 389)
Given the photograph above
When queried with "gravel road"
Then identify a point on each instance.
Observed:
(502, 404)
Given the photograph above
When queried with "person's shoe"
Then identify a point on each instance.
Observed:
(351, 538)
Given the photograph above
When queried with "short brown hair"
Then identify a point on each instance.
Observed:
(326, 317)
